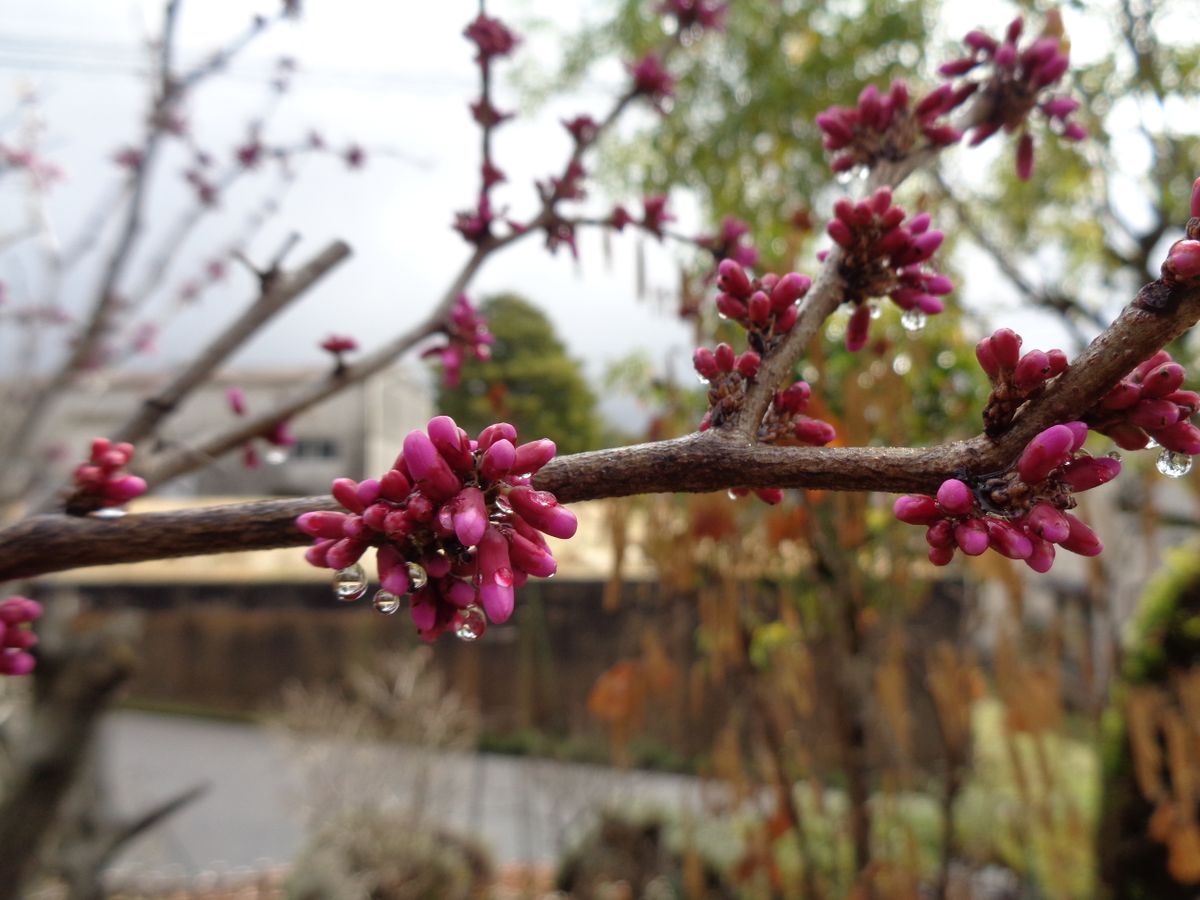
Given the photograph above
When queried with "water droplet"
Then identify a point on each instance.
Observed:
(276, 456)
(1152, 444)
(1174, 465)
(700, 378)
(722, 317)
(902, 364)
(350, 583)
(109, 512)
(876, 309)
(913, 320)
(471, 624)
(385, 602)
(732, 494)
(417, 576)
(503, 506)
(1113, 454)
(503, 576)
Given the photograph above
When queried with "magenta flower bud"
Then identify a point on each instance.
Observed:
(1088, 472)
(748, 363)
(345, 552)
(317, 554)
(1081, 539)
(459, 593)
(1163, 380)
(1127, 436)
(429, 468)
(1045, 453)
(934, 102)
(1053, 70)
(1025, 156)
(1184, 259)
(813, 432)
(419, 508)
(498, 460)
(368, 491)
(1196, 197)
(1006, 346)
(495, 576)
(1042, 557)
(394, 486)
(375, 515)
(1047, 522)
(423, 610)
(469, 515)
(790, 288)
(1182, 437)
(1073, 131)
(529, 557)
(397, 524)
(916, 509)
(955, 497)
(1145, 367)
(1058, 362)
(322, 524)
(16, 664)
(705, 363)
(124, 488)
(1008, 540)
(1152, 415)
(533, 455)
(881, 201)
(1080, 430)
(786, 319)
(724, 357)
(794, 399)
(987, 358)
(493, 433)
(939, 284)
(1189, 401)
(541, 510)
(837, 132)
(957, 67)
(236, 398)
(1006, 56)
(1032, 369)
(940, 534)
(732, 279)
(972, 536)
(759, 307)
(731, 308)
(893, 242)
(1060, 107)
(858, 328)
(770, 496)
(1124, 395)
(436, 566)
(393, 574)
(930, 304)
(451, 443)
(345, 492)
(941, 556)
(841, 233)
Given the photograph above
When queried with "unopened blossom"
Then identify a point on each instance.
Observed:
(101, 481)
(730, 242)
(582, 128)
(883, 127)
(654, 214)
(705, 15)
(476, 225)
(455, 523)
(1022, 513)
(1013, 81)
(491, 37)
(1015, 377)
(885, 256)
(236, 398)
(338, 344)
(467, 335)
(1150, 402)
(17, 614)
(652, 80)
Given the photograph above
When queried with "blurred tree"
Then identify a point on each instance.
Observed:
(528, 381)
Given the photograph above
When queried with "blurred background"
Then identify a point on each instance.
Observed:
(713, 698)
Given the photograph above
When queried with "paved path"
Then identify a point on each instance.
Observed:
(265, 787)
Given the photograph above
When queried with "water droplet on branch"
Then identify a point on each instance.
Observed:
(350, 583)
(913, 320)
(385, 602)
(472, 623)
(417, 576)
(1174, 465)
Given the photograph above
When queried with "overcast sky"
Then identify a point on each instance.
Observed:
(372, 72)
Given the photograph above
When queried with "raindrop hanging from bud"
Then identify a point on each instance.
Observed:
(876, 309)
(276, 456)
(109, 512)
(1152, 444)
(913, 320)
(417, 577)
(1174, 465)
(350, 583)
(385, 602)
(472, 623)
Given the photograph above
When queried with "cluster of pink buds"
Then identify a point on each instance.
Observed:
(703, 15)
(886, 256)
(1015, 377)
(1021, 514)
(729, 242)
(467, 335)
(1150, 403)
(16, 635)
(339, 345)
(1183, 259)
(100, 482)
(1012, 82)
(884, 127)
(456, 525)
(653, 81)
(491, 37)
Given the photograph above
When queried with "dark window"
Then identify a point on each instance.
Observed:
(315, 448)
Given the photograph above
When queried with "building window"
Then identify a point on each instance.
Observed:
(315, 448)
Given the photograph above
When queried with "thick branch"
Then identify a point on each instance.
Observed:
(708, 461)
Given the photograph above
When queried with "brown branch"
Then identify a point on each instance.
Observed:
(707, 461)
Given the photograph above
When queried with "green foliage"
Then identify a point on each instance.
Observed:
(529, 381)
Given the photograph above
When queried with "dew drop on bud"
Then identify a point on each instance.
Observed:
(1113, 454)
(350, 583)
(417, 577)
(109, 512)
(1152, 444)
(471, 623)
(503, 506)
(876, 309)
(913, 320)
(503, 576)
(276, 456)
(1174, 465)
(732, 494)
(701, 378)
(385, 602)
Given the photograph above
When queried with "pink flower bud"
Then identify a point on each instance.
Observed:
(393, 573)
(493, 433)
(941, 556)
(345, 552)
(533, 455)
(786, 319)
(119, 490)
(429, 468)
(1042, 557)
(1123, 395)
(423, 610)
(1047, 522)
(1163, 380)
(236, 398)
(1032, 369)
(1081, 539)
(1182, 437)
(1088, 472)
(451, 443)
(858, 328)
(1008, 540)
(813, 432)
(316, 555)
(771, 496)
(1058, 362)
(790, 288)
(759, 307)
(1045, 453)
(498, 460)
(916, 509)
(795, 398)
(971, 536)
(394, 486)
(841, 233)
(470, 516)
(747, 364)
(345, 492)
(322, 524)
(1025, 157)
(732, 279)
(541, 510)
(495, 576)
(529, 557)
(940, 534)
(987, 358)
(368, 491)
(725, 357)
(1184, 259)
(1153, 415)
(955, 497)
(705, 363)
(1006, 347)
(731, 307)
(16, 664)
